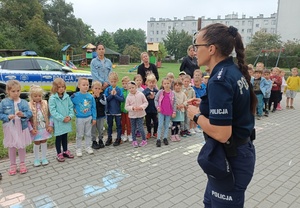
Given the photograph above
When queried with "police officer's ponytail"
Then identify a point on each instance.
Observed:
(227, 38)
(240, 55)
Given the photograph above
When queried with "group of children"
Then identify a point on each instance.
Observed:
(37, 120)
(269, 86)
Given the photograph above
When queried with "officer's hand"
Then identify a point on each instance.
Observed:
(191, 111)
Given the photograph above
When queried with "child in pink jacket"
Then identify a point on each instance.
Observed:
(135, 104)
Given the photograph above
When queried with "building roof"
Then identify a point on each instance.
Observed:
(65, 48)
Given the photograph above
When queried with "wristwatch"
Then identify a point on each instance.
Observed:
(195, 118)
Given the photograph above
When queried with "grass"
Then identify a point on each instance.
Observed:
(122, 70)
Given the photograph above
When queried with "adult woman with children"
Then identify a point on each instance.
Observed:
(189, 63)
(227, 117)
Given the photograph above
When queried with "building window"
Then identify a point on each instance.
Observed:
(249, 30)
(273, 22)
(157, 39)
(194, 24)
(273, 30)
(243, 22)
(266, 22)
(162, 32)
(151, 32)
(249, 23)
(163, 24)
(243, 30)
(151, 39)
(236, 23)
(169, 27)
(226, 22)
(257, 25)
(157, 32)
(183, 24)
(151, 25)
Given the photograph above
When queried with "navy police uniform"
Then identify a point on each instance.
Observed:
(227, 102)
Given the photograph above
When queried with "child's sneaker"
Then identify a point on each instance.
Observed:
(197, 130)
(182, 133)
(45, 162)
(101, 144)
(135, 144)
(177, 137)
(143, 143)
(60, 157)
(188, 133)
(173, 139)
(158, 143)
(23, 168)
(89, 150)
(12, 170)
(192, 131)
(148, 136)
(130, 138)
(95, 145)
(155, 135)
(37, 163)
(68, 154)
(165, 141)
(124, 137)
(78, 153)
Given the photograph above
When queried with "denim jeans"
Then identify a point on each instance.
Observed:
(137, 124)
(163, 122)
(110, 125)
(260, 104)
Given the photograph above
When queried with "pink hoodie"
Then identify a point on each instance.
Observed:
(136, 100)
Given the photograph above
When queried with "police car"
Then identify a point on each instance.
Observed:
(38, 70)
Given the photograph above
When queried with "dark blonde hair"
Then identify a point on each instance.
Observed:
(137, 76)
(187, 77)
(177, 82)
(96, 83)
(55, 83)
(12, 83)
(125, 79)
(113, 76)
(82, 79)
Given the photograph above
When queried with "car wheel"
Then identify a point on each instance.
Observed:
(2, 94)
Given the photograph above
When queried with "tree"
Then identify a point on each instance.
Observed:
(59, 16)
(162, 53)
(133, 51)
(177, 43)
(19, 12)
(262, 40)
(292, 48)
(130, 37)
(40, 37)
(107, 40)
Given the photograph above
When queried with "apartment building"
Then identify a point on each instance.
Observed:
(288, 26)
(157, 30)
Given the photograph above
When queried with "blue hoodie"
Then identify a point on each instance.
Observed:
(84, 105)
(114, 101)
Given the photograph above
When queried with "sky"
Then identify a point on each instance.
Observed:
(114, 14)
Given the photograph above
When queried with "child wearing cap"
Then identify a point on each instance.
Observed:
(181, 75)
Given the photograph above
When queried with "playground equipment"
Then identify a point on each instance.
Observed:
(134, 68)
(152, 49)
(266, 52)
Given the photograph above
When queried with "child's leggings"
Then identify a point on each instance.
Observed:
(12, 153)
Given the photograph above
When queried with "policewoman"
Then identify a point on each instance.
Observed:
(227, 117)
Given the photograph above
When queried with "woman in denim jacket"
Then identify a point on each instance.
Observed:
(15, 114)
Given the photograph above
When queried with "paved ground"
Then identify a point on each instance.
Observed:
(159, 177)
